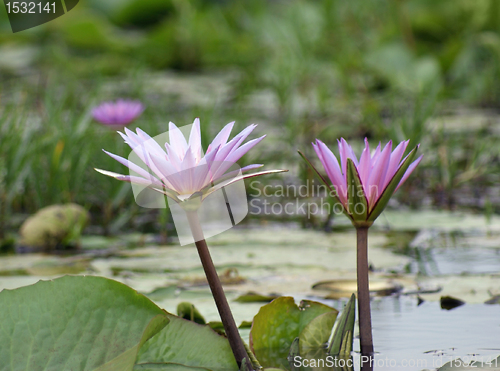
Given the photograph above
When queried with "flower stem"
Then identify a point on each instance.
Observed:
(226, 316)
(365, 321)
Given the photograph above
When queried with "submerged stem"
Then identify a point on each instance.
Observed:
(226, 316)
(365, 322)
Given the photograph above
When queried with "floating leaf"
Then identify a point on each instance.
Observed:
(188, 311)
(167, 367)
(58, 266)
(343, 288)
(317, 332)
(253, 297)
(493, 300)
(343, 325)
(219, 327)
(175, 292)
(278, 323)
(245, 324)
(187, 343)
(75, 323)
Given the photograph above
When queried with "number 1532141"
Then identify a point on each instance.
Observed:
(30, 8)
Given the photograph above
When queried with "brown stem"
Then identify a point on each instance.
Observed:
(365, 321)
(226, 316)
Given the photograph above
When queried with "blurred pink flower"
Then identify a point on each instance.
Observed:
(181, 171)
(364, 187)
(117, 114)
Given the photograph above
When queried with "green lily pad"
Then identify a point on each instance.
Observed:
(175, 292)
(217, 326)
(187, 343)
(188, 311)
(52, 267)
(278, 323)
(343, 288)
(167, 367)
(317, 332)
(75, 323)
(245, 324)
(253, 297)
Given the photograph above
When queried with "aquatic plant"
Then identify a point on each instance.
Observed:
(187, 177)
(363, 187)
(117, 114)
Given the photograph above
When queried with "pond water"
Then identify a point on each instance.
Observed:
(441, 258)
(415, 337)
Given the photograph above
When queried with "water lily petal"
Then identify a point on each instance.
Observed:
(119, 113)
(135, 168)
(180, 168)
(395, 161)
(377, 176)
(365, 166)
(195, 140)
(409, 171)
(222, 137)
(129, 178)
(236, 155)
(152, 145)
(332, 168)
(238, 178)
(177, 141)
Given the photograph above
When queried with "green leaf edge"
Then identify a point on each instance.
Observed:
(305, 334)
(353, 187)
(345, 323)
(121, 362)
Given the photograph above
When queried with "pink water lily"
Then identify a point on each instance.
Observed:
(179, 170)
(364, 186)
(119, 113)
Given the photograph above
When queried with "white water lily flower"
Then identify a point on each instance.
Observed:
(179, 170)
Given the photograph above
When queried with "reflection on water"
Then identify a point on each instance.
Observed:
(411, 337)
(441, 253)
(407, 334)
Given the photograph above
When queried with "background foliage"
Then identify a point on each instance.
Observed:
(392, 69)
